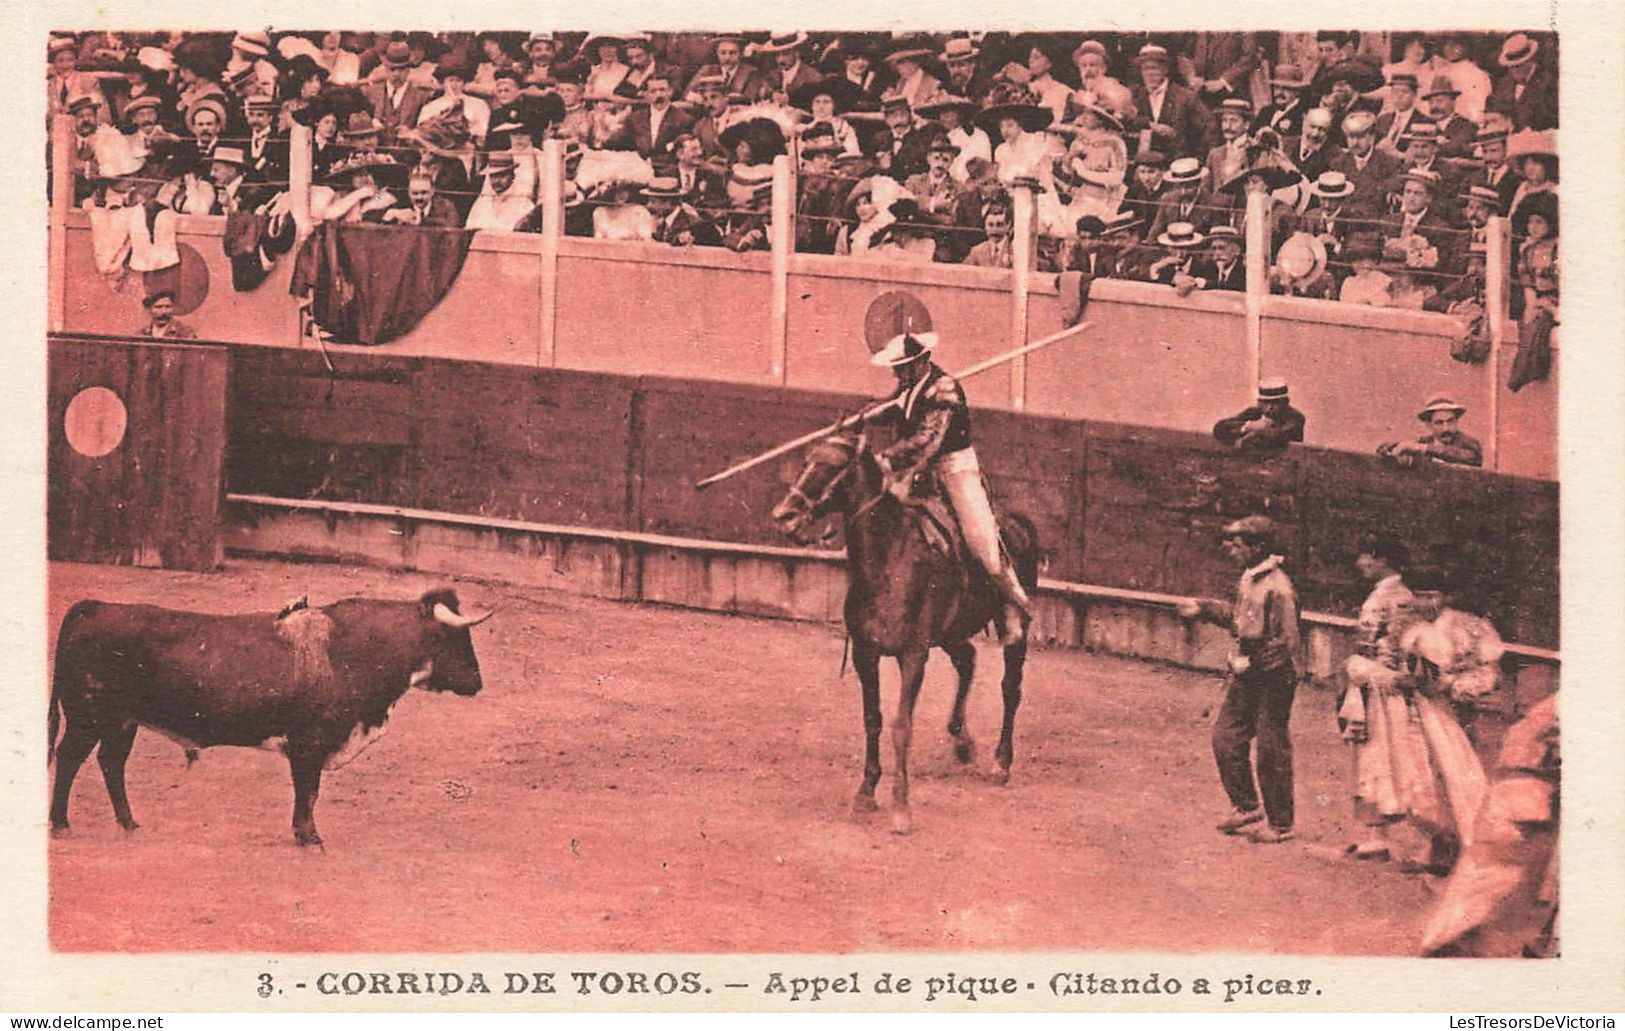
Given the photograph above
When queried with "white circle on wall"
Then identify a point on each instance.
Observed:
(95, 422)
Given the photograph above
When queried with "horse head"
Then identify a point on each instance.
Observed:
(822, 489)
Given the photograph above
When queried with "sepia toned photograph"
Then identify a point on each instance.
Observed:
(747, 492)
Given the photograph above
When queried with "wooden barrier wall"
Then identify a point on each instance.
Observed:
(1115, 505)
(1151, 358)
(136, 446)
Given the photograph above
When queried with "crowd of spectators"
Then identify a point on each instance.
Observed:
(1384, 154)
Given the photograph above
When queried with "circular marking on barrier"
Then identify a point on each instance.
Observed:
(95, 422)
(189, 280)
(892, 313)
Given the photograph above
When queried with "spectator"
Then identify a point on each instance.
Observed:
(63, 79)
(698, 183)
(963, 60)
(1539, 178)
(1263, 677)
(1090, 61)
(823, 102)
(1373, 173)
(342, 66)
(908, 238)
(651, 129)
(1284, 114)
(1536, 275)
(423, 207)
(1345, 84)
(1456, 133)
(301, 89)
(541, 50)
(494, 58)
(396, 101)
(1394, 125)
(197, 69)
(1094, 165)
(266, 154)
(1464, 297)
(1421, 239)
(1148, 190)
(574, 119)
(822, 196)
(1180, 266)
(994, 252)
(1181, 201)
(870, 214)
(1300, 268)
(325, 148)
(714, 105)
(937, 195)
(641, 66)
(146, 79)
(161, 321)
(1226, 161)
(499, 205)
(608, 113)
(857, 69)
(248, 71)
(1168, 116)
(1050, 92)
(1313, 152)
(902, 149)
(1444, 441)
(364, 179)
(1479, 205)
(958, 117)
(228, 194)
(1268, 426)
(1369, 284)
(914, 84)
(1422, 155)
(744, 225)
(621, 214)
(454, 76)
(1220, 66)
(678, 222)
(1092, 253)
(1225, 270)
(607, 70)
(1469, 79)
(789, 72)
(733, 76)
(1415, 62)
(91, 142)
(1527, 90)
(1498, 173)
(205, 119)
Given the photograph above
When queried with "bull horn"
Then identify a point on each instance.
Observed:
(443, 614)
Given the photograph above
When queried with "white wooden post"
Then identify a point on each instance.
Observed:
(301, 156)
(1498, 287)
(551, 197)
(782, 239)
(1023, 259)
(1258, 284)
(61, 204)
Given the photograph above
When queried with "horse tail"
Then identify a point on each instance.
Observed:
(1021, 542)
(63, 672)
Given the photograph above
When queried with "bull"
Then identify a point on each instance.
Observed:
(307, 682)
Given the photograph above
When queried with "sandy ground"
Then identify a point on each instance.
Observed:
(652, 779)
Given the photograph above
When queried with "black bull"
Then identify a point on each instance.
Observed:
(306, 681)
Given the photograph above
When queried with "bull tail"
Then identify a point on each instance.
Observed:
(66, 667)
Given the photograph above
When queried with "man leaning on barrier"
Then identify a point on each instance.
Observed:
(1269, 425)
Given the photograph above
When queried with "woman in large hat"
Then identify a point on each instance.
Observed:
(619, 212)
(825, 103)
(1094, 168)
(604, 53)
(1015, 121)
(359, 189)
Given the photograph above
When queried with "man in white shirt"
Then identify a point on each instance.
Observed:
(499, 206)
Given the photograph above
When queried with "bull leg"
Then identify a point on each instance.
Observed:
(111, 756)
(77, 741)
(911, 668)
(963, 655)
(866, 660)
(1015, 662)
(307, 783)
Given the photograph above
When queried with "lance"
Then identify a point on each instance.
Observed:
(873, 410)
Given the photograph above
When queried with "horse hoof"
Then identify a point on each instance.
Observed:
(130, 827)
(901, 821)
(303, 838)
(863, 805)
(59, 830)
(965, 750)
(999, 775)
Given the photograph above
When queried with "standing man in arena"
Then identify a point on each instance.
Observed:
(934, 435)
(1262, 680)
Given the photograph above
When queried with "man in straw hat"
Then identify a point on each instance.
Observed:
(934, 435)
(1260, 684)
(1444, 441)
(916, 85)
(1179, 267)
(1167, 116)
(1268, 426)
(499, 206)
(789, 72)
(1230, 156)
(1526, 91)
(907, 139)
(1182, 200)
(1422, 239)
(732, 75)
(1497, 172)
(1456, 134)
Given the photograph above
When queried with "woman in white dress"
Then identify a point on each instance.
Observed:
(622, 215)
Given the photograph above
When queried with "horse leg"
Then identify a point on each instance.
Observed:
(963, 655)
(911, 668)
(866, 660)
(1015, 661)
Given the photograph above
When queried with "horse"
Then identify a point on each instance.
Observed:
(903, 598)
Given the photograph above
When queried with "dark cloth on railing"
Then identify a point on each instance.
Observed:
(370, 284)
(253, 242)
(1534, 358)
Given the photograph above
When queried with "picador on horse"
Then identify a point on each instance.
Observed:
(934, 441)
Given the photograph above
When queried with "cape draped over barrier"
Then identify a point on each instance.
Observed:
(369, 284)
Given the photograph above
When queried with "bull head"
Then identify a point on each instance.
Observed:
(448, 660)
